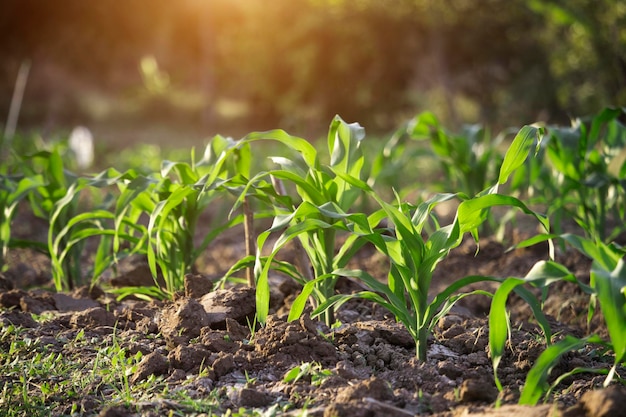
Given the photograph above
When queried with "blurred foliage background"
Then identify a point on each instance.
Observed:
(201, 67)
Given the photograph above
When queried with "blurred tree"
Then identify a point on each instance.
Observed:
(587, 44)
(297, 63)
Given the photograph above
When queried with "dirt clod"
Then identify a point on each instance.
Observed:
(189, 358)
(235, 331)
(223, 364)
(197, 285)
(37, 304)
(608, 402)
(478, 390)
(5, 283)
(250, 397)
(371, 388)
(17, 318)
(11, 299)
(182, 321)
(366, 398)
(93, 317)
(293, 342)
(151, 364)
(237, 303)
(115, 411)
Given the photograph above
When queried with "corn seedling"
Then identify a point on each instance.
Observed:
(13, 190)
(314, 215)
(183, 193)
(110, 227)
(589, 164)
(414, 254)
(51, 203)
(469, 160)
(393, 165)
(607, 287)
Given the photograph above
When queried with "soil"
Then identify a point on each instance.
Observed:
(203, 343)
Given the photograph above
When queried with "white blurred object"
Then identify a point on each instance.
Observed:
(81, 143)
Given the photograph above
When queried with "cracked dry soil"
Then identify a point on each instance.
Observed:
(202, 344)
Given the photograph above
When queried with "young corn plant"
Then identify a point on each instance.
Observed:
(176, 203)
(540, 276)
(313, 216)
(589, 164)
(13, 189)
(607, 287)
(44, 180)
(114, 229)
(469, 160)
(392, 164)
(414, 253)
(171, 204)
(45, 201)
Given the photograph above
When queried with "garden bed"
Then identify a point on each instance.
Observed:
(85, 353)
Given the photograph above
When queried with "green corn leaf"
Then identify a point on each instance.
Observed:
(471, 213)
(10, 196)
(446, 294)
(308, 191)
(24, 186)
(56, 170)
(305, 226)
(430, 321)
(299, 303)
(519, 151)
(216, 147)
(405, 231)
(424, 209)
(602, 254)
(536, 381)
(533, 240)
(308, 151)
(294, 165)
(243, 160)
(499, 323)
(261, 272)
(607, 115)
(143, 293)
(185, 173)
(423, 125)
(344, 142)
(611, 287)
(558, 380)
(547, 272)
(537, 309)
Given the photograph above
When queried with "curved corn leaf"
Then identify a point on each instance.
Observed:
(536, 381)
(519, 150)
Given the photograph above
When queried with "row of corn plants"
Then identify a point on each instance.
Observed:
(313, 197)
